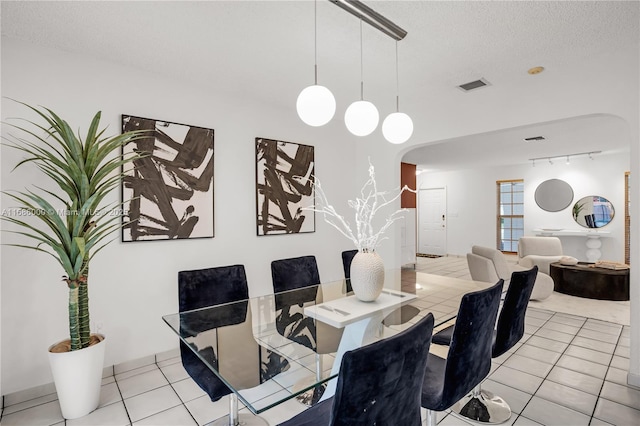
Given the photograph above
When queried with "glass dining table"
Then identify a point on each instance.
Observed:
(269, 349)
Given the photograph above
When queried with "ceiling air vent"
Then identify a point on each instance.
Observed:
(534, 138)
(472, 85)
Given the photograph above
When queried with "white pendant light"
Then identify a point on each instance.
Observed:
(316, 104)
(397, 128)
(361, 117)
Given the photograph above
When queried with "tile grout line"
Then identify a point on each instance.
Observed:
(121, 396)
(534, 393)
(591, 417)
(174, 391)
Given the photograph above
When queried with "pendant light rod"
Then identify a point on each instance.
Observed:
(315, 40)
(371, 17)
(361, 66)
(397, 82)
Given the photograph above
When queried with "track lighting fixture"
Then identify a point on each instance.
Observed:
(550, 159)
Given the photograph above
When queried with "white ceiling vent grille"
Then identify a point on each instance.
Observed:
(473, 85)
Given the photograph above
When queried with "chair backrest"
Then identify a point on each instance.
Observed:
(481, 268)
(380, 383)
(498, 259)
(297, 272)
(469, 357)
(543, 246)
(347, 258)
(510, 328)
(212, 286)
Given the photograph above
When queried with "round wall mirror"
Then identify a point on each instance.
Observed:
(554, 195)
(593, 211)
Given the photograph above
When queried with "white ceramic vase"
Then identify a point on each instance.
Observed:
(367, 275)
(78, 379)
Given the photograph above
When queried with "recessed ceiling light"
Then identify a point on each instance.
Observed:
(535, 70)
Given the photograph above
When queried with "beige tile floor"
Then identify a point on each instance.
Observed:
(567, 370)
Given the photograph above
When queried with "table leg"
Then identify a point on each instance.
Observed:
(355, 335)
(236, 419)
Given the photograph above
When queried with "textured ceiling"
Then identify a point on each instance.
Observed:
(264, 49)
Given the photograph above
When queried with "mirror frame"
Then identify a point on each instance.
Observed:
(583, 213)
(553, 195)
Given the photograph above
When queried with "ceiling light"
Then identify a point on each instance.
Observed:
(316, 104)
(397, 128)
(550, 159)
(361, 117)
(535, 70)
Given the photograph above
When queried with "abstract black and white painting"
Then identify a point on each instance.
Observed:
(168, 194)
(284, 185)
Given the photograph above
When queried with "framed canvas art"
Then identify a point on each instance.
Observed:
(168, 194)
(284, 185)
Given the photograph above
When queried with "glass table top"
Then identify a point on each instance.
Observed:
(267, 351)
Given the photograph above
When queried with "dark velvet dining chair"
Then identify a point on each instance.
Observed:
(301, 274)
(481, 405)
(468, 361)
(206, 287)
(378, 384)
(347, 258)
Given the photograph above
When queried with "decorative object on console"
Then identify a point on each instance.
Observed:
(568, 260)
(553, 195)
(284, 184)
(609, 264)
(367, 268)
(72, 226)
(169, 193)
(593, 211)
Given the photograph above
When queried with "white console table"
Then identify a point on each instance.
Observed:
(593, 242)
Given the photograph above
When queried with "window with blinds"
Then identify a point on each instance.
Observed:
(510, 219)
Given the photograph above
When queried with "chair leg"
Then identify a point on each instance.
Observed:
(482, 406)
(432, 418)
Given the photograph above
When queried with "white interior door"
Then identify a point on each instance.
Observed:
(432, 229)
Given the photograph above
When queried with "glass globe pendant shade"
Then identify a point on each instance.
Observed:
(316, 105)
(397, 128)
(361, 118)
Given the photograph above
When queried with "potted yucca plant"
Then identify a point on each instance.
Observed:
(72, 225)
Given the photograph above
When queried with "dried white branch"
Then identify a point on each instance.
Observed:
(365, 208)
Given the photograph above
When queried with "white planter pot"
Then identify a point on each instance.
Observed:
(367, 276)
(78, 378)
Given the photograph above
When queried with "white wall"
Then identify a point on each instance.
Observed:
(133, 284)
(471, 201)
